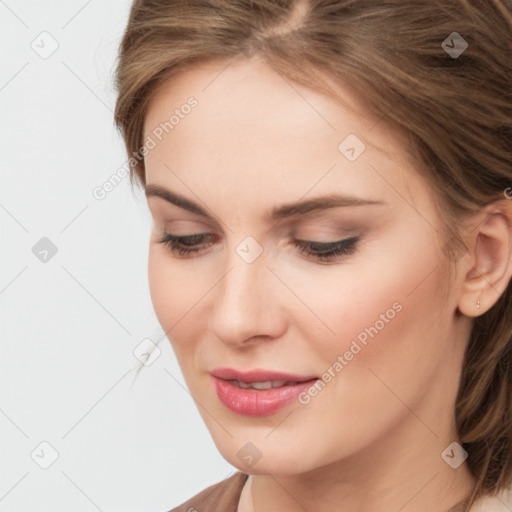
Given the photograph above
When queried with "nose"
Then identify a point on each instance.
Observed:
(246, 303)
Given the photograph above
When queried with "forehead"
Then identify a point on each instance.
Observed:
(253, 128)
(251, 95)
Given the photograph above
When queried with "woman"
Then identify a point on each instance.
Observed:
(331, 252)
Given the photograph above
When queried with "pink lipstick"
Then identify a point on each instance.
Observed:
(258, 392)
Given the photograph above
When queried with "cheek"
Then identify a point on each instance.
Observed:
(173, 295)
(387, 360)
(158, 279)
(392, 317)
(403, 331)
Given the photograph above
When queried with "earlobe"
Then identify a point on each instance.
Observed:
(491, 256)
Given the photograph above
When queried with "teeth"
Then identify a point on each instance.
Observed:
(262, 385)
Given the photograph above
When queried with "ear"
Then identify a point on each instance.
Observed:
(488, 269)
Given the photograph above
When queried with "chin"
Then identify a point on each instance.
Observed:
(267, 460)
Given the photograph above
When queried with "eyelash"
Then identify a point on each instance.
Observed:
(319, 251)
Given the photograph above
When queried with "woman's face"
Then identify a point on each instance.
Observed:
(375, 323)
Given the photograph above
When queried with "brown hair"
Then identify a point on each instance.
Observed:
(456, 112)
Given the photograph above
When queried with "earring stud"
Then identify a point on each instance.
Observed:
(478, 303)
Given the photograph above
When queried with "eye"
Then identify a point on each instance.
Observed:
(182, 245)
(328, 251)
(186, 245)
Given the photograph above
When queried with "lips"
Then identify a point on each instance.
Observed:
(259, 375)
(258, 392)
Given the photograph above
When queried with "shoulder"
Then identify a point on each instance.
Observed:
(220, 497)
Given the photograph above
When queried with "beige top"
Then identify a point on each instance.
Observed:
(224, 496)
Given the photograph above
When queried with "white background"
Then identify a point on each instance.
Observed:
(69, 325)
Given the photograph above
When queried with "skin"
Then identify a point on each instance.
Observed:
(372, 438)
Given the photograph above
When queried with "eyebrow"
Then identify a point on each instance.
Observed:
(277, 213)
